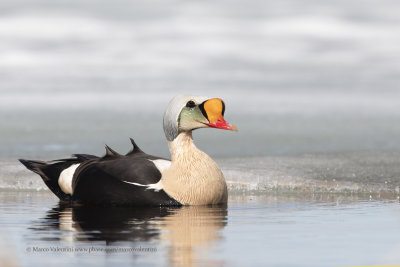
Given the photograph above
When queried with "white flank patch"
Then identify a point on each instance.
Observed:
(134, 183)
(161, 164)
(156, 187)
(65, 179)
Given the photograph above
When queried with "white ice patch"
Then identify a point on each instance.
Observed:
(65, 179)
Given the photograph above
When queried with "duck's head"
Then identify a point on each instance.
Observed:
(186, 113)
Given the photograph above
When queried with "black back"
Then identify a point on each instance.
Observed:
(114, 179)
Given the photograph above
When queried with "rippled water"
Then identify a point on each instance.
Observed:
(254, 230)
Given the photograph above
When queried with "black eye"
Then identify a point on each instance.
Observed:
(191, 104)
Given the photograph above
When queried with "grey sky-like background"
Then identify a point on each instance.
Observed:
(296, 76)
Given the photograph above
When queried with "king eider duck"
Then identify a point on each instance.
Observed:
(191, 177)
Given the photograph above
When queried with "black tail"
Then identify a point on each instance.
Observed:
(50, 172)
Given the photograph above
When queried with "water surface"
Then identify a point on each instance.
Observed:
(254, 230)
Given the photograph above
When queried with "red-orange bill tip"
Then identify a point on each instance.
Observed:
(222, 124)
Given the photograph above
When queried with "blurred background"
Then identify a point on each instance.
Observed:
(297, 76)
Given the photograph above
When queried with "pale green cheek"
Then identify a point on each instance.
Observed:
(191, 119)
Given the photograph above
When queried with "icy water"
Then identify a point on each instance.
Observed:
(254, 230)
(309, 210)
(313, 86)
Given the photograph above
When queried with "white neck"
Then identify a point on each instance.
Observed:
(193, 178)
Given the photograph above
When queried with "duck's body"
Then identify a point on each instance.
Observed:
(139, 179)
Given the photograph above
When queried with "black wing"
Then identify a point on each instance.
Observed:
(120, 180)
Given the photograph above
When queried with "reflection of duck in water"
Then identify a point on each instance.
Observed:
(190, 234)
(138, 179)
(185, 231)
(109, 224)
